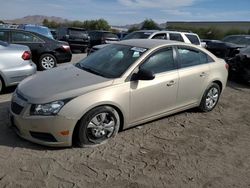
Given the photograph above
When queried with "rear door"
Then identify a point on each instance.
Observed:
(193, 74)
(35, 44)
(150, 98)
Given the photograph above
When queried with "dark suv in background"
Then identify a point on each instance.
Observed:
(46, 52)
(101, 37)
(77, 38)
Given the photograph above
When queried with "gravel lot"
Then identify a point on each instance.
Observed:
(189, 149)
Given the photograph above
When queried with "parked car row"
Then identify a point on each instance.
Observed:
(46, 52)
(235, 50)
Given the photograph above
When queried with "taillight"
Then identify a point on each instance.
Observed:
(26, 55)
(66, 48)
(227, 66)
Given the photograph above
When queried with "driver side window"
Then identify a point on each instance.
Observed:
(160, 61)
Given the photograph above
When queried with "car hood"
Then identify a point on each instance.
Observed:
(63, 82)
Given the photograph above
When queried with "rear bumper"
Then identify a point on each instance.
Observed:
(15, 75)
(64, 58)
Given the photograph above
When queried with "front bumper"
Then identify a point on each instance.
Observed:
(44, 130)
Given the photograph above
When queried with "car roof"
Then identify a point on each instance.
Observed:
(151, 31)
(25, 31)
(147, 43)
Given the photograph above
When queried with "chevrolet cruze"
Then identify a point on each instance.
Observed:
(122, 85)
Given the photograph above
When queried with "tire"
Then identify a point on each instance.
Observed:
(97, 126)
(2, 86)
(46, 62)
(84, 50)
(210, 98)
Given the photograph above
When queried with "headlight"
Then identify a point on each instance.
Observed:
(47, 109)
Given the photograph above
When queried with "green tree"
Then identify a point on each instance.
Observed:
(132, 29)
(46, 22)
(149, 24)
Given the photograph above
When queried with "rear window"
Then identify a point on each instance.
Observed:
(138, 35)
(193, 39)
(241, 40)
(78, 32)
(110, 35)
(41, 30)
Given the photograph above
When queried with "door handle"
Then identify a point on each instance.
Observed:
(203, 74)
(170, 83)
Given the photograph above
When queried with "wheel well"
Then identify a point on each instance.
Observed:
(50, 53)
(219, 83)
(1, 78)
(74, 136)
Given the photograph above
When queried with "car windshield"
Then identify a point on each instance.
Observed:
(111, 61)
(137, 35)
(41, 30)
(242, 40)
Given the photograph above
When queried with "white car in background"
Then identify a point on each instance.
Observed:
(15, 64)
(186, 37)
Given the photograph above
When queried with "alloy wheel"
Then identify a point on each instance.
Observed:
(101, 126)
(47, 62)
(212, 97)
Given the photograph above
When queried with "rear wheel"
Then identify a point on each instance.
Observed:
(97, 126)
(47, 61)
(210, 98)
(1, 85)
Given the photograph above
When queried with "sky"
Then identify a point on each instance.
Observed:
(121, 12)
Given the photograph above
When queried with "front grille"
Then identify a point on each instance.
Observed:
(43, 136)
(16, 108)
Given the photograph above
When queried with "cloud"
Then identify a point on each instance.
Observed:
(156, 3)
(176, 12)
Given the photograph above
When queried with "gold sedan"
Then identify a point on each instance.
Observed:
(121, 85)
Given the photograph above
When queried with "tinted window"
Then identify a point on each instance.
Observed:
(111, 61)
(41, 30)
(193, 39)
(160, 36)
(24, 37)
(110, 35)
(191, 57)
(160, 61)
(78, 33)
(138, 35)
(176, 37)
(242, 40)
(3, 36)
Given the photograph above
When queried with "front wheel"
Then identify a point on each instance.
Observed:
(210, 98)
(97, 126)
(47, 61)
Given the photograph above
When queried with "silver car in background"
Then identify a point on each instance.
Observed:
(15, 64)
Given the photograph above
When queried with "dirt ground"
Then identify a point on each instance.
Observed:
(189, 149)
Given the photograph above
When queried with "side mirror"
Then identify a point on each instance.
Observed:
(143, 74)
(67, 37)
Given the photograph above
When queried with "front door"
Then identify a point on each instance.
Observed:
(154, 97)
